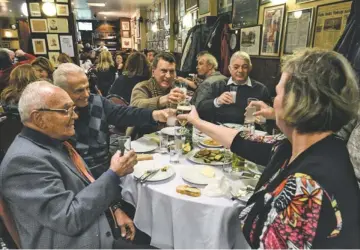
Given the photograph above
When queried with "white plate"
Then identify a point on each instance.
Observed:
(202, 143)
(191, 157)
(144, 166)
(143, 145)
(169, 130)
(193, 174)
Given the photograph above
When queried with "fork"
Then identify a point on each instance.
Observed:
(154, 172)
(146, 174)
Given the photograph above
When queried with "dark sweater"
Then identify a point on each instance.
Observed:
(124, 85)
(233, 113)
(105, 79)
(318, 190)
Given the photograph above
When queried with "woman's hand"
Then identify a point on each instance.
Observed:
(263, 109)
(192, 117)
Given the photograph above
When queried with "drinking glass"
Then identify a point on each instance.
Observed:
(182, 86)
(233, 92)
(124, 144)
(227, 163)
(163, 146)
(249, 122)
(171, 120)
(184, 107)
(174, 145)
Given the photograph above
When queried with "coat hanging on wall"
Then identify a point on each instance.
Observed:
(349, 43)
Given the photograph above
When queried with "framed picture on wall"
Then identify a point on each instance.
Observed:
(62, 1)
(125, 33)
(138, 29)
(53, 58)
(204, 7)
(34, 9)
(126, 43)
(330, 23)
(53, 41)
(38, 25)
(190, 4)
(67, 45)
(181, 8)
(166, 17)
(125, 25)
(298, 30)
(58, 25)
(245, 13)
(264, 2)
(272, 30)
(62, 10)
(304, 1)
(39, 46)
(250, 40)
(224, 6)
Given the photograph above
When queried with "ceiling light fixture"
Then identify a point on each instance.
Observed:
(24, 9)
(49, 9)
(97, 4)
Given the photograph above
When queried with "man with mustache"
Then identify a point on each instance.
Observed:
(219, 104)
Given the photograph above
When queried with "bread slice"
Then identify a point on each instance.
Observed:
(187, 190)
(144, 157)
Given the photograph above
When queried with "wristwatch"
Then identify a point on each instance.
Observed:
(116, 205)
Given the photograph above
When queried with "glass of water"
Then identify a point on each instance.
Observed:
(163, 145)
(174, 145)
(233, 92)
(124, 144)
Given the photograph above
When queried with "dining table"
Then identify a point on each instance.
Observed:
(175, 220)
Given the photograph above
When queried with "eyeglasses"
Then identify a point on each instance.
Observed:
(69, 112)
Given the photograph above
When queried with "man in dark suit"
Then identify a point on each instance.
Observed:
(219, 104)
(54, 200)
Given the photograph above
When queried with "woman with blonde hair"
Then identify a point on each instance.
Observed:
(20, 77)
(105, 72)
(64, 58)
(307, 196)
(43, 68)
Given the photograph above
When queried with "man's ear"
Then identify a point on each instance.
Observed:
(250, 68)
(38, 120)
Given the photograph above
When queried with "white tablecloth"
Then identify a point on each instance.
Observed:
(174, 220)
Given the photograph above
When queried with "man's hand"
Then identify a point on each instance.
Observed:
(124, 222)
(225, 98)
(123, 165)
(162, 115)
(19, 53)
(263, 109)
(175, 96)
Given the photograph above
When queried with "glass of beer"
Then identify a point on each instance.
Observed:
(184, 107)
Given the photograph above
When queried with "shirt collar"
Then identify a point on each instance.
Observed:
(231, 82)
(40, 138)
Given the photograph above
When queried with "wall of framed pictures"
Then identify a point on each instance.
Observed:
(52, 35)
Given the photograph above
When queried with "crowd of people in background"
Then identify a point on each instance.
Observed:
(316, 97)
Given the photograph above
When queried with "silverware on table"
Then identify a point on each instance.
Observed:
(154, 172)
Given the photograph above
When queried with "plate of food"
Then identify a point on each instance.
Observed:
(200, 174)
(144, 168)
(214, 157)
(210, 143)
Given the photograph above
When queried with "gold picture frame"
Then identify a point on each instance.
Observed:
(38, 25)
(39, 46)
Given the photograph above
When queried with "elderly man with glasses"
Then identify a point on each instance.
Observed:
(49, 192)
(220, 104)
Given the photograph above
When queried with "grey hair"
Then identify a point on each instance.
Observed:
(33, 97)
(60, 74)
(210, 59)
(242, 55)
(8, 51)
(322, 93)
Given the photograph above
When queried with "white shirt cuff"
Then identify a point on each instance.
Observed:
(216, 104)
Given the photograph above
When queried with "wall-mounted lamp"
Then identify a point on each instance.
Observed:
(49, 9)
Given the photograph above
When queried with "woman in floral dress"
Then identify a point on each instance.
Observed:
(307, 196)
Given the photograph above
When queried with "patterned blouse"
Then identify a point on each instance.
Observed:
(313, 202)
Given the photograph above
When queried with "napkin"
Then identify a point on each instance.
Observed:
(217, 187)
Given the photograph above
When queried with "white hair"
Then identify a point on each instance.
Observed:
(59, 75)
(242, 55)
(210, 59)
(33, 97)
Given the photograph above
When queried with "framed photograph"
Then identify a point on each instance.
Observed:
(58, 25)
(39, 46)
(330, 23)
(190, 4)
(62, 1)
(67, 45)
(53, 41)
(49, 1)
(250, 38)
(62, 10)
(38, 25)
(126, 43)
(125, 33)
(204, 7)
(224, 6)
(125, 25)
(53, 58)
(138, 29)
(166, 16)
(272, 30)
(245, 13)
(181, 8)
(264, 2)
(298, 30)
(34, 9)
(304, 1)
